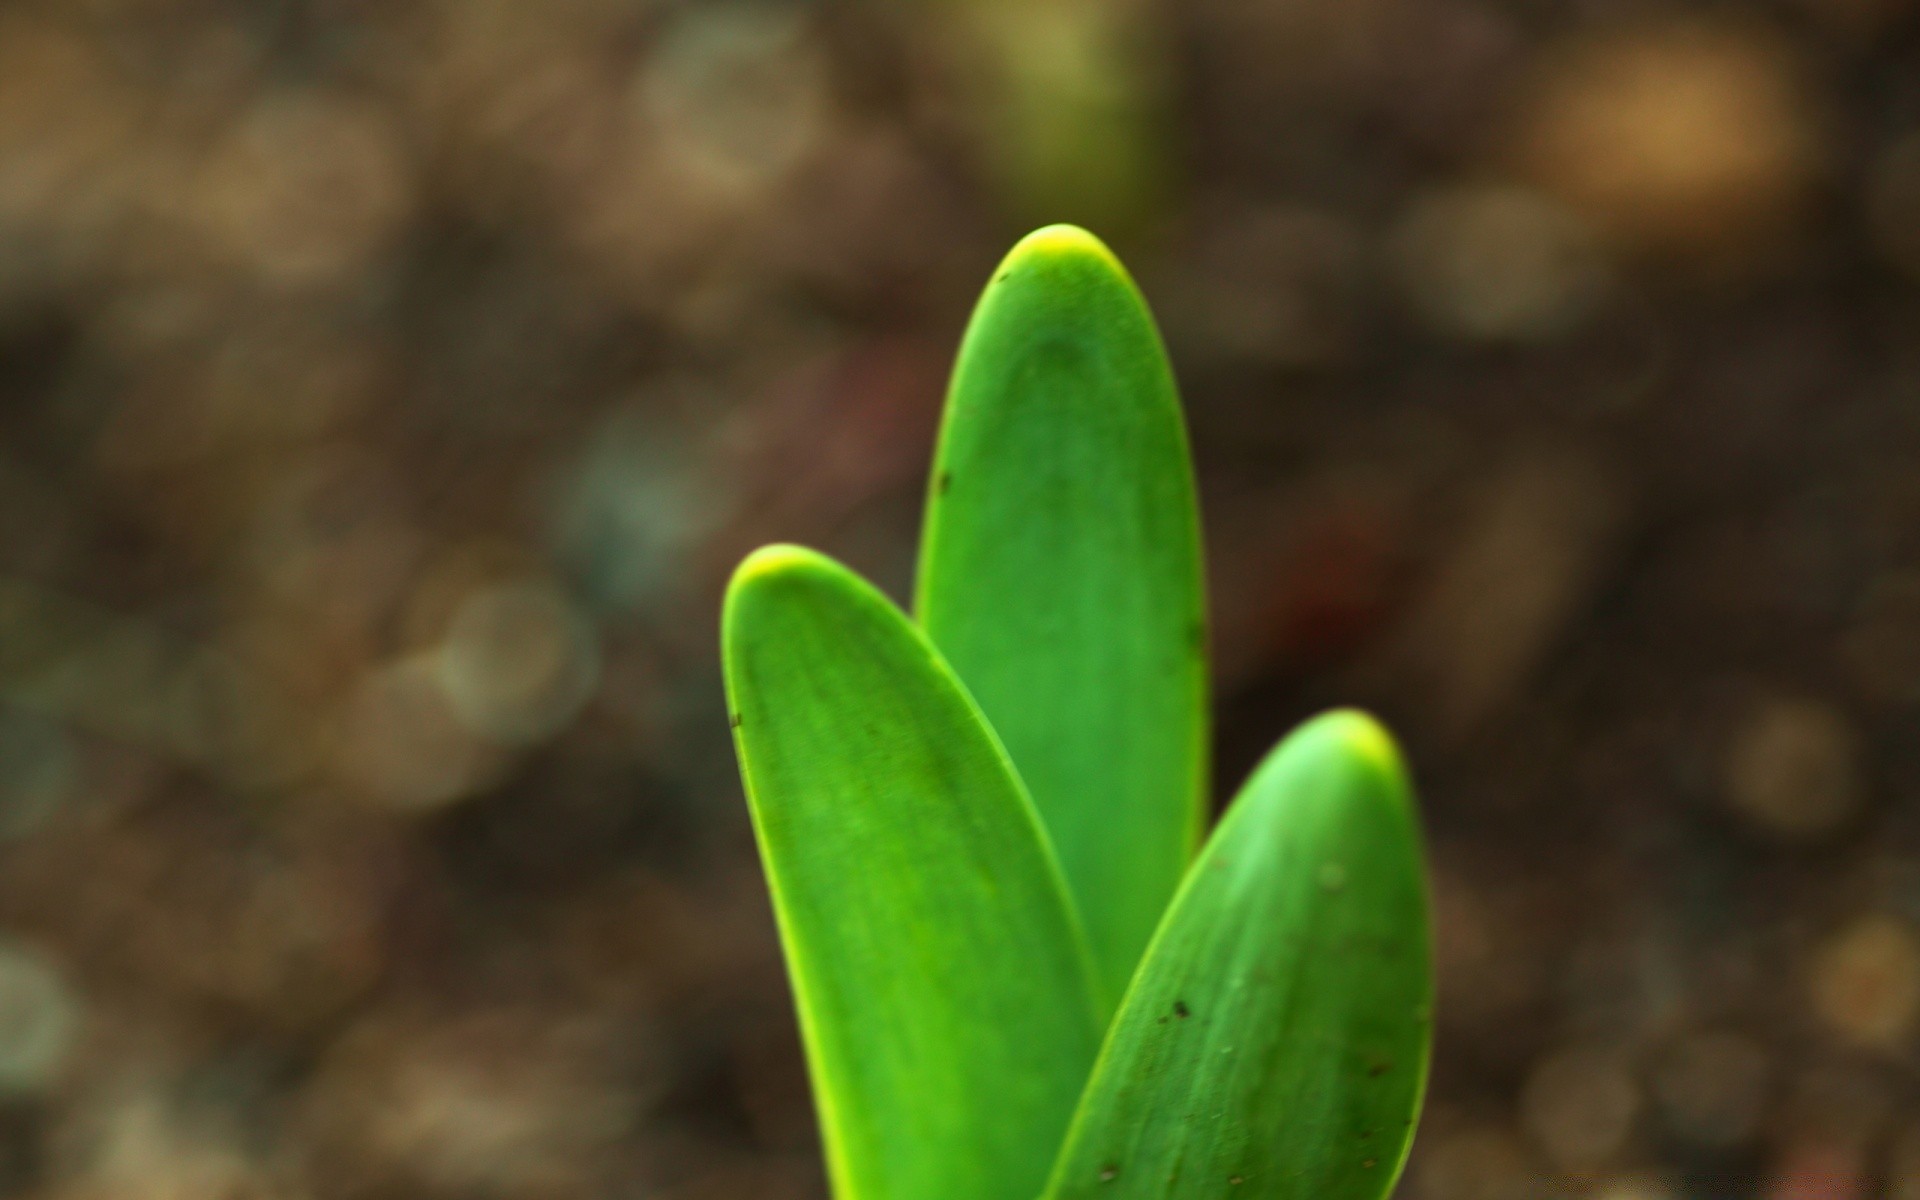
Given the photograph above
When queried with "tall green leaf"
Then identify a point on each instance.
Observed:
(944, 988)
(1274, 1045)
(1060, 574)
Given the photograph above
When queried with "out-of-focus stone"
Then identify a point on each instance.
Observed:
(307, 189)
(518, 660)
(1580, 1104)
(1688, 137)
(140, 1145)
(1480, 1162)
(39, 1016)
(191, 912)
(1494, 262)
(508, 1102)
(1865, 981)
(1792, 768)
(736, 92)
(67, 119)
(402, 743)
(636, 502)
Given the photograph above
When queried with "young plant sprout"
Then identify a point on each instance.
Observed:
(1015, 978)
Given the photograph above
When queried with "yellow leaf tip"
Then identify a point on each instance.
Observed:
(775, 559)
(1063, 239)
(772, 579)
(1061, 244)
(775, 564)
(1362, 735)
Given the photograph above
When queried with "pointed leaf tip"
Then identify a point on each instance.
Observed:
(1060, 574)
(943, 985)
(1275, 1042)
(1361, 735)
(775, 558)
(773, 564)
(1064, 243)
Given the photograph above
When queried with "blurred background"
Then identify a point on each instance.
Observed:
(386, 389)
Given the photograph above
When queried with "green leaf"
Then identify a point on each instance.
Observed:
(1060, 574)
(944, 988)
(1274, 1045)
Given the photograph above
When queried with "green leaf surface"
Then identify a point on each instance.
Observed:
(1060, 574)
(1274, 1045)
(944, 988)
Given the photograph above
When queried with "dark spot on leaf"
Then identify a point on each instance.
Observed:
(1368, 1164)
(943, 483)
(1109, 1173)
(1181, 1010)
(1378, 1067)
(734, 719)
(1003, 276)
